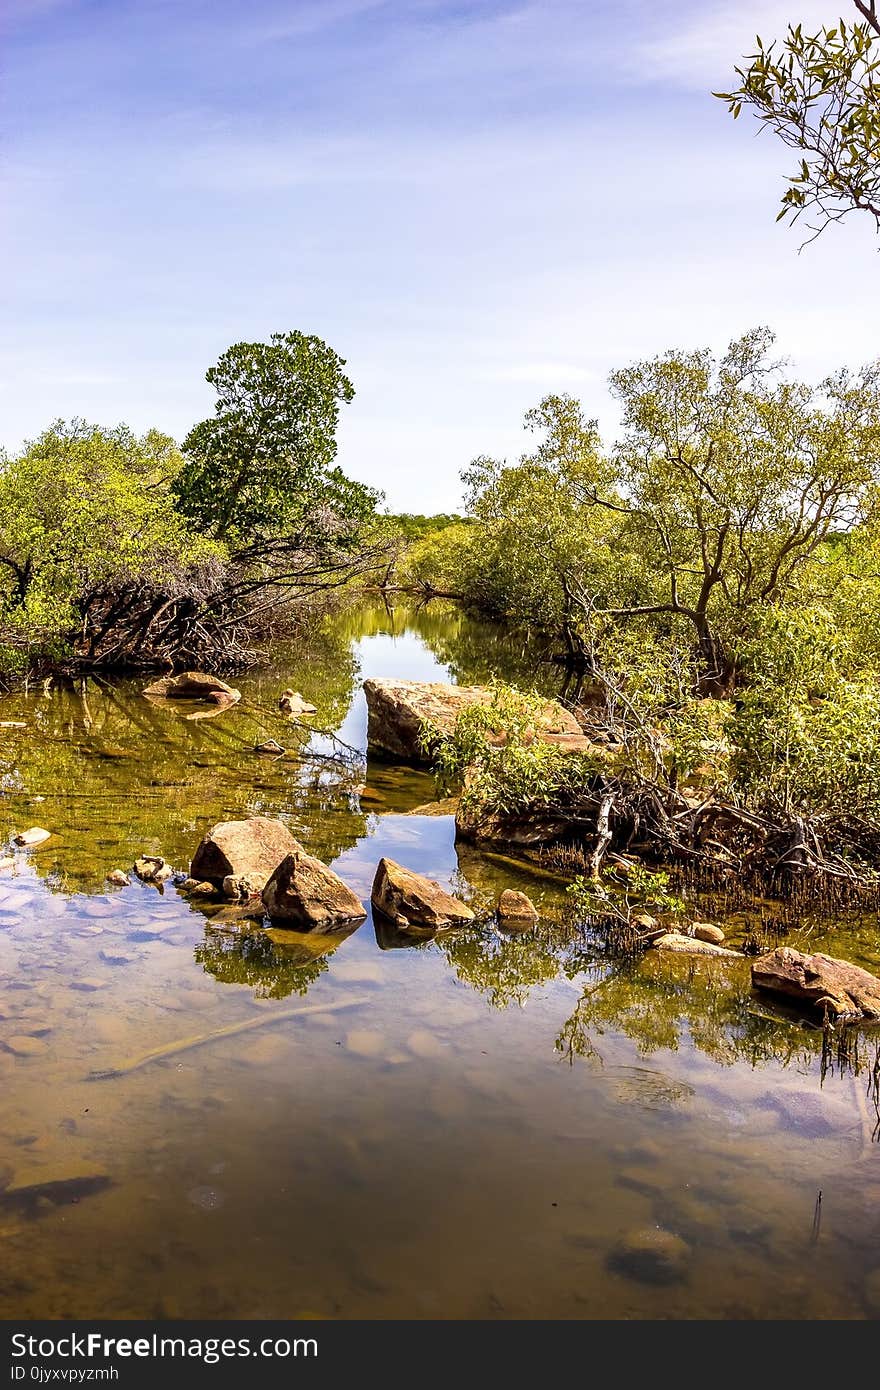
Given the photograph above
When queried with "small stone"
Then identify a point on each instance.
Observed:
(202, 890)
(707, 931)
(652, 1256)
(116, 958)
(364, 1042)
(152, 868)
(516, 907)
(35, 836)
(645, 922)
(119, 878)
(20, 1045)
(239, 889)
(293, 704)
(424, 1044)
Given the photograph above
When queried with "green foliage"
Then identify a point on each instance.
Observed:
(492, 751)
(806, 728)
(820, 94)
(264, 463)
(84, 513)
(439, 559)
(413, 526)
(643, 890)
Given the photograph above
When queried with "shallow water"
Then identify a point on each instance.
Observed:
(468, 1127)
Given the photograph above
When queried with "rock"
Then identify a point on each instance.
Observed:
(409, 899)
(309, 895)
(152, 868)
(516, 907)
(35, 836)
(652, 1256)
(645, 922)
(424, 1044)
(250, 849)
(292, 703)
(365, 1042)
(689, 945)
(119, 878)
(706, 931)
(21, 1045)
(89, 984)
(193, 685)
(399, 709)
(202, 890)
(820, 981)
(270, 746)
(239, 889)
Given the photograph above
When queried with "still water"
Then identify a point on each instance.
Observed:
(471, 1127)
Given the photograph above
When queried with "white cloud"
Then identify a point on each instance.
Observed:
(702, 49)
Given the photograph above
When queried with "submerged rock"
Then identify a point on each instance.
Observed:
(35, 836)
(820, 981)
(652, 1256)
(398, 710)
(516, 908)
(408, 898)
(689, 945)
(308, 894)
(250, 849)
(193, 685)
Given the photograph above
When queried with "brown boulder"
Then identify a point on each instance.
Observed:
(308, 894)
(398, 710)
(516, 907)
(821, 981)
(250, 849)
(409, 899)
(193, 685)
(706, 931)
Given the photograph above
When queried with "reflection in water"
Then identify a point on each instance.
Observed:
(460, 1124)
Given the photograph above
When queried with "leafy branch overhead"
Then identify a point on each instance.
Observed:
(820, 94)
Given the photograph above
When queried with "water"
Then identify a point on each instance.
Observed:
(471, 1127)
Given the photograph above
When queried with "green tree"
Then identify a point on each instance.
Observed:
(89, 538)
(265, 461)
(820, 94)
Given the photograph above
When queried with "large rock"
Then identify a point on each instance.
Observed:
(690, 945)
(409, 899)
(244, 849)
(652, 1256)
(820, 981)
(309, 895)
(193, 685)
(398, 710)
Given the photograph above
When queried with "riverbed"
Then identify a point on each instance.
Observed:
(472, 1126)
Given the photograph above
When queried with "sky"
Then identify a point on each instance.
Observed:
(475, 202)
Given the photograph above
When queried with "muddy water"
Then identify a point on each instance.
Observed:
(470, 1127)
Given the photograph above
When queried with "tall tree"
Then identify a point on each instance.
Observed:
(820, 94)
(265, 460)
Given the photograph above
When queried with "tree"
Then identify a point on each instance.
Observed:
(820, 93)
(90, 543)
(264, 461)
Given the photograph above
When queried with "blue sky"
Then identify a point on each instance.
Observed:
(475, 203)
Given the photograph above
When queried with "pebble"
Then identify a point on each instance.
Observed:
(113, 957)
(20, 1045)
(425, 1044)
(121, 879)
(89, 983)
(364, 1042)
